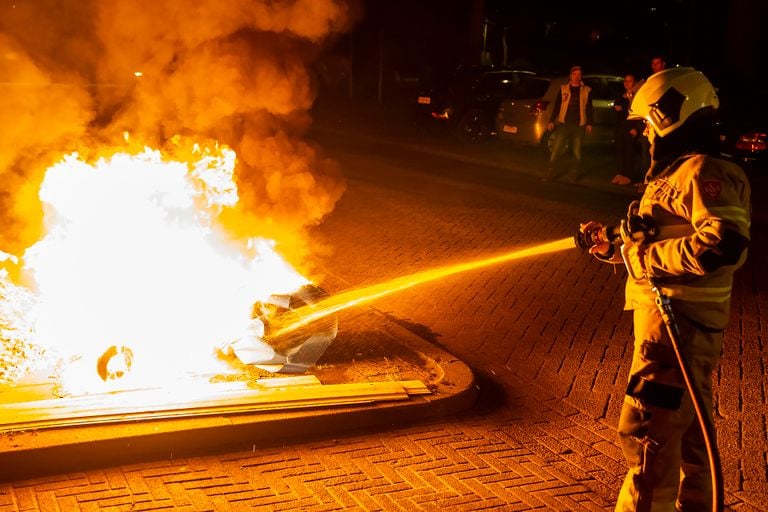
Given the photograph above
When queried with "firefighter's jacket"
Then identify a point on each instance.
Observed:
(701, 206)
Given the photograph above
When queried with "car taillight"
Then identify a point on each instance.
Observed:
(441, 116)
(752, 142)
(538, 108)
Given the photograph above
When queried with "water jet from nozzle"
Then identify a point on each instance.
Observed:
(345, 300)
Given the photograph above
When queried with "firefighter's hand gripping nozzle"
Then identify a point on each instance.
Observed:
(601, 241)
(592, 234)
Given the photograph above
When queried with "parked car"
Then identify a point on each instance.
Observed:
(466, 102)
(525, 118)
(744, 129)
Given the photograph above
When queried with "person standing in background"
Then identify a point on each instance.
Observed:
(658, 63)
(626, 135)
(571, 120)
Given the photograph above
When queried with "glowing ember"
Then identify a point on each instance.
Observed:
(134, 256)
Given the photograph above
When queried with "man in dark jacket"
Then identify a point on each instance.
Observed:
(626, 132)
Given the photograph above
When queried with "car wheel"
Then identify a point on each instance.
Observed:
(473, 127)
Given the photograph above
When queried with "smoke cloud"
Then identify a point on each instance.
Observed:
(78, 74)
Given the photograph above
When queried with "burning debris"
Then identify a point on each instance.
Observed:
(132, 260)
(114, 363)
(19, 353)
(292, 353)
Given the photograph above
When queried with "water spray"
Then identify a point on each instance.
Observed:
(331, 305)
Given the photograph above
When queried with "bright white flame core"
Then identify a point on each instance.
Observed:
(133, 256)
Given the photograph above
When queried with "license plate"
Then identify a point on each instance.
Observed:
(425, 100)
(509, 128)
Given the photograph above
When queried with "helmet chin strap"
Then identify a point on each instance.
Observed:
(665, 151)
(662, 148)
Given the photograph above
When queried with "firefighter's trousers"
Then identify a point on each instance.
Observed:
(658, 431)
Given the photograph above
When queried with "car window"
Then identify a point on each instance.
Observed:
(499, 84)
(616, 85)
(514, 85)
(604, 89)
(599, 91)
(532, 87)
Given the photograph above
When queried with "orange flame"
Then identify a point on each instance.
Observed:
(134, 255)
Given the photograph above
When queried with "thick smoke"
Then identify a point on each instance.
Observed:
(77, 75)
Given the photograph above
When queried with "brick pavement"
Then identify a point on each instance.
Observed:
(551, 377)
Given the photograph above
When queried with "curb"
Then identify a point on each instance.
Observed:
(34, 453)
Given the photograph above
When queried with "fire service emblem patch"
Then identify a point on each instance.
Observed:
(711, 188)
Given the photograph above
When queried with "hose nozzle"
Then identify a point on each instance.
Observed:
(590, 236)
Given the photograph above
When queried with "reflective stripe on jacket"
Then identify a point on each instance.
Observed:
(693, 203)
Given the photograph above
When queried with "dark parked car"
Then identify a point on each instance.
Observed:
(466, 102)
(744, 118)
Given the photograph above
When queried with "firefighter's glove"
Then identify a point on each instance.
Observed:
(604, 250)
(633, 253)
(638, 228)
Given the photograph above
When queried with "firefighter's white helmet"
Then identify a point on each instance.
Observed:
(668, 98)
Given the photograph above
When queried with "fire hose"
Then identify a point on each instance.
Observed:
(647, 230)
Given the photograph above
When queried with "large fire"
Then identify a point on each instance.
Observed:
(134, 255)
(151, 250)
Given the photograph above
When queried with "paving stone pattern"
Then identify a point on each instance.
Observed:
(546, 337)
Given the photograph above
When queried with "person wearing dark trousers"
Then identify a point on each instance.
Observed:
(571, 119)
(658, 63)
(626, 132)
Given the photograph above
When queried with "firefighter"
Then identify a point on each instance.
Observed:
(699, 208)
